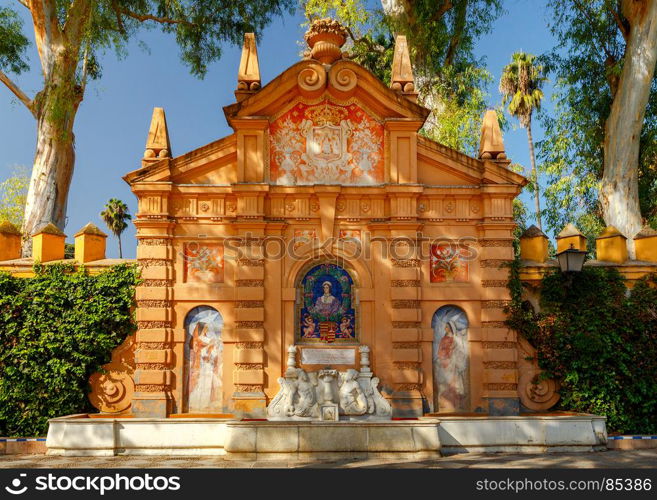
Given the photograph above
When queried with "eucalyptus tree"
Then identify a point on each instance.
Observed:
(600, 150)
(520, 85)
(71, 36)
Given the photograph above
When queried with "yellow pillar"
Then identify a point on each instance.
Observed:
(568, 236)
(645, 244)
(611, 246)
(48, 244)
(534, 245)
(10, 241)
(89, 244)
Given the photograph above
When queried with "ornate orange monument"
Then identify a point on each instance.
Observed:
(326, 221)
(327, 263)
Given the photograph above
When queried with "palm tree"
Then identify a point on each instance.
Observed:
(115, 216)
(520, 86)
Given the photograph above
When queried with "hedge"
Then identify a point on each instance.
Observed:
(599, 339)
(56, 329)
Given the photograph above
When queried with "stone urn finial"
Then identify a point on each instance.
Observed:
(325, 38)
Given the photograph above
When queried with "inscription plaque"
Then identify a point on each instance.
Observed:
(316, 356)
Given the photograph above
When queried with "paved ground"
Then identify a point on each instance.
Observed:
(608, 459)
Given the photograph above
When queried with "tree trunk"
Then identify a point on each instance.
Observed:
(619, 192)
(532, 159)
(120, 249)
(56, 107)
(58, 43)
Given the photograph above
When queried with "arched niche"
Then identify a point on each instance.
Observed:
(326, 308)
(203, 360)
(451, 360)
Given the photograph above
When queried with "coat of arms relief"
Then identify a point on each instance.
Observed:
(326, 144)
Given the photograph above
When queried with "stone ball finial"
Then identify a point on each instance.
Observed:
(325, 37)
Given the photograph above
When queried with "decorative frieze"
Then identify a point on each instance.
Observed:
(154, 303)
(146, 325)
(499, 345)
(405, 262)
(146, 263)
(405, 283)
(249, 283)
(156, 283)
(494, 283)
(493, 263)
(501, 387)
(500, 365)
(495, 304)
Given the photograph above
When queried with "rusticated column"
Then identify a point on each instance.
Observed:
(249, 334)
(500, 349)
(154, 337)
(406, 318)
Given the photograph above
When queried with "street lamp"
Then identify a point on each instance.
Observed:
(571, 260)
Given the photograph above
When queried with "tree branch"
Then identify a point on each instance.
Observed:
(22, 97)
(455, 40)
(23, 3)
(364, 40)
(587, 14)
(622, 26)
(444, 9)
(149, 17)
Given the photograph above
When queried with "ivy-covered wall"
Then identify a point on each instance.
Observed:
(599, 339)
(56, 329)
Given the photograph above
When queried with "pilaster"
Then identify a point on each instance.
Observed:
(500, 348)
(154, 356)
(406, 320)
(249, 332)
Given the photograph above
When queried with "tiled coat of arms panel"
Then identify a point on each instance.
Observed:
(326, 143)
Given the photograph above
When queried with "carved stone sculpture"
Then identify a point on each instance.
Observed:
(328, 394)
(352, 398)
(307, 401)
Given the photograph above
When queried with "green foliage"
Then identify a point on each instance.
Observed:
(441, 35)
(56, 329)
(600, 341)
(13, 193)
(587, 64)
(13, 44)
(200, 27)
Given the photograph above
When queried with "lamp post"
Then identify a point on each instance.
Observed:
(571, 260)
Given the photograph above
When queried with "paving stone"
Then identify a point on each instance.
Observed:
(610, 459)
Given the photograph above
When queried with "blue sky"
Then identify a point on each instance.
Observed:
(112, 123)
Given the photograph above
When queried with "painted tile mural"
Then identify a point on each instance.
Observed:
(350, 234)
(450, 360)
(448, 263)
(326, 143)
(203, 359)
(303, 237)
(326, 312)
(204, 263)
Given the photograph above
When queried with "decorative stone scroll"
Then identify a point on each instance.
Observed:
(328, 394)
(312, 80)
(342, 80)
(112, 390)
(535, 393)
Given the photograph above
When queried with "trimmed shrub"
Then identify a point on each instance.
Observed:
(56, 329)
